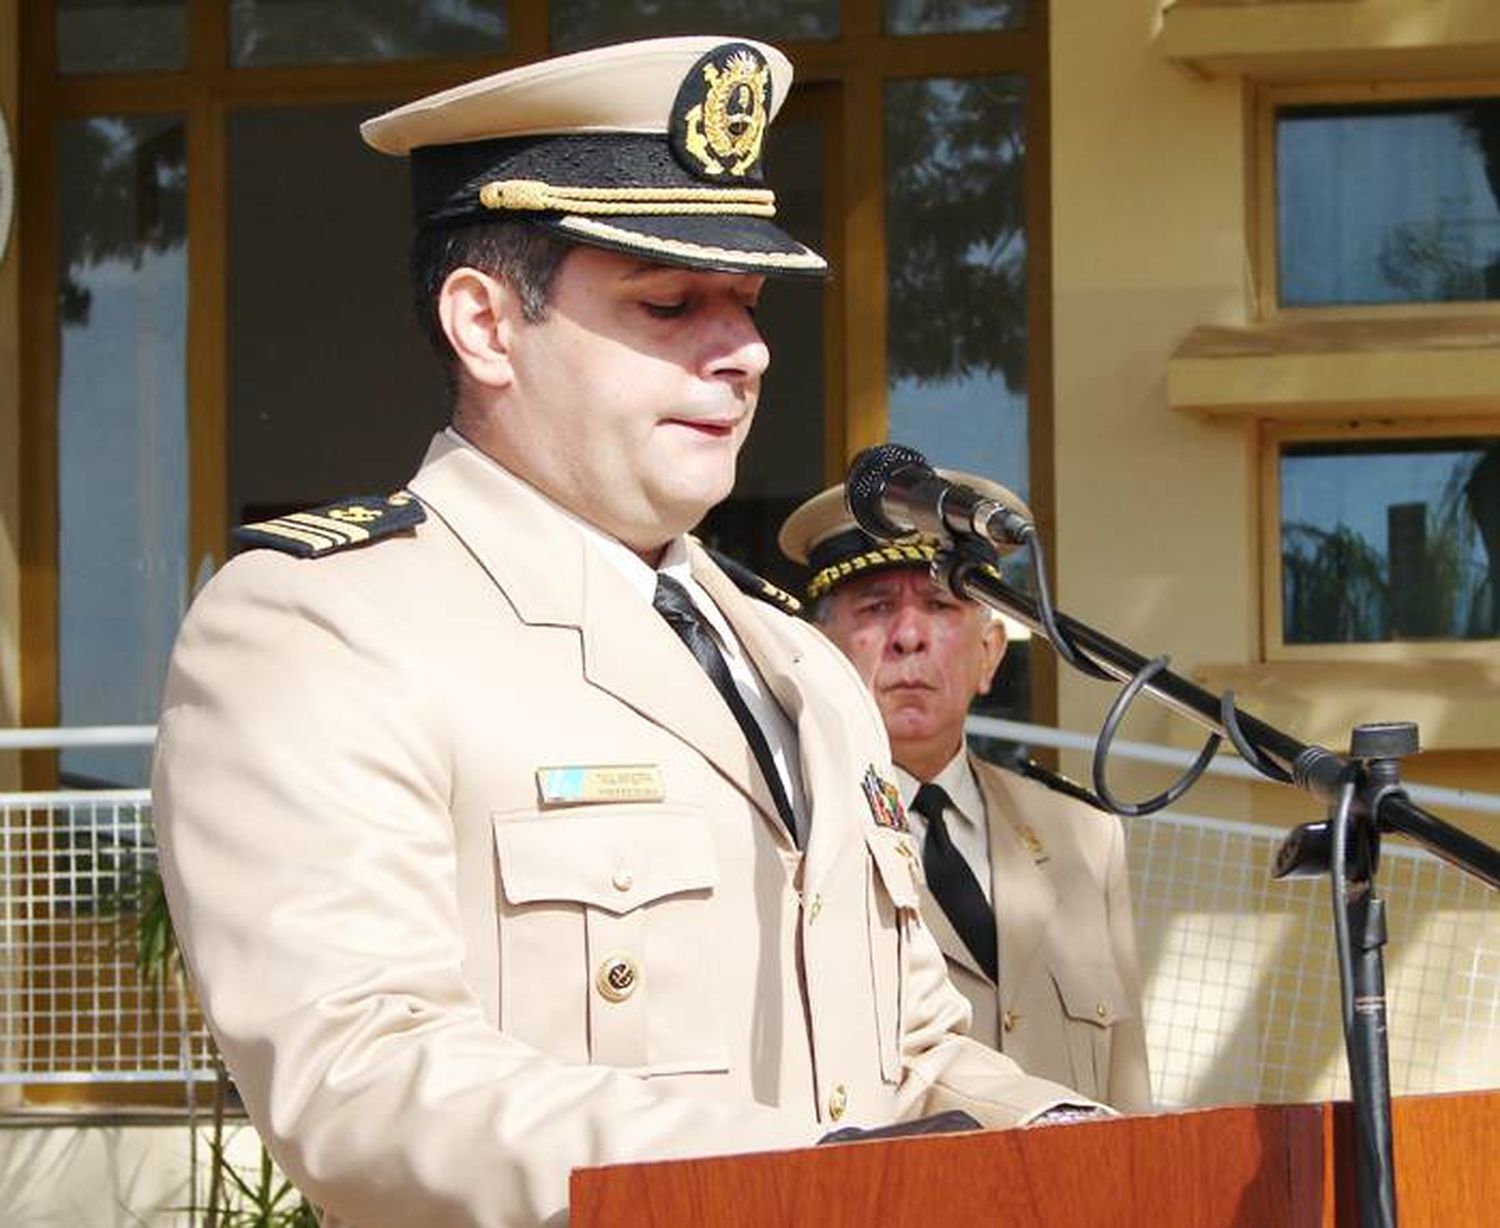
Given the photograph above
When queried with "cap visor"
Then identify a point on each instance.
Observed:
(738, 244)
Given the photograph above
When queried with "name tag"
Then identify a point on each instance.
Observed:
(614, 782)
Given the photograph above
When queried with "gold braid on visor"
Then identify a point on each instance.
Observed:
(893, 555)
(533, 195)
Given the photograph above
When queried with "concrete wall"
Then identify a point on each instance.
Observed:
(106, 1173)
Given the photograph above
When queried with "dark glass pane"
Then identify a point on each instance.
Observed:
(344, 31)
(588, 23)
(782, 463)
(950, 16)
(122, 425)
(956, 341)
(956, 261)
(332, 388)
(1388, 204)
(97, 36)
(1390, 540)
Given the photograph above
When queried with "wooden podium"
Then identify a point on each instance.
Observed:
(1277, 1166)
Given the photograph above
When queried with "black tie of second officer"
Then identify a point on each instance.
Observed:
(953, 883)
(673, 604)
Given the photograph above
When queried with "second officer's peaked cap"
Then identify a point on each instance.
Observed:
(822, 534)
(653, 148)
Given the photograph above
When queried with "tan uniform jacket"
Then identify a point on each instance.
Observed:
(1068, 1006)
(401, 949)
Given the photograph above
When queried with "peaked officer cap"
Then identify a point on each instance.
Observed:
(653, 148)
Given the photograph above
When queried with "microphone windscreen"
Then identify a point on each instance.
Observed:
(864, 488)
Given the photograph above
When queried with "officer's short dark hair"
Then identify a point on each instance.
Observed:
(526, 257)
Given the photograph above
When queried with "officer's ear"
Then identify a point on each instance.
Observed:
(479, 314)
(991, 649)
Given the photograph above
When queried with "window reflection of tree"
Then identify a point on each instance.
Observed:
(955, 230)
(1481, 125)
(588, 23)
(345, 31)
(123, 196)
(1333, 586)
(1481, 492)
(948, 16)
(1446, 258)
(1436, 580)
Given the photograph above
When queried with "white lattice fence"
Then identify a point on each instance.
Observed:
(1242, 986)
(74, 1006)
(1241, 990)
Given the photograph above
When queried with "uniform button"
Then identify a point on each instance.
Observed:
(838, 1101)
(623, 880)
(1101, 1008)
(814, 908)
(1009, 1020)
(617, 978)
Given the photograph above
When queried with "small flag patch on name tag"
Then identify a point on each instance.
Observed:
(614, 782)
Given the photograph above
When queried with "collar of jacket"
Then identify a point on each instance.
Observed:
(538, 558)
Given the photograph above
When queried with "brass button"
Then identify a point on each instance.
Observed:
(623, 880)
(617, 978)
(1101, 1008)
(814, 908)
(838, 1101)
(1009, 1020)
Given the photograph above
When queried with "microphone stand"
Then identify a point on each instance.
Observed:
(1362, 789)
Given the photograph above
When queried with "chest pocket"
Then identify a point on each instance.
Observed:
(607, 933)
(893, 901)
(1093, 1001)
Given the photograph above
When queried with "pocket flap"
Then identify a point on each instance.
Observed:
(1092, 992)
(616, 860)
(895, 856)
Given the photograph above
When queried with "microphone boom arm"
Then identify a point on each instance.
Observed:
(1312, 768)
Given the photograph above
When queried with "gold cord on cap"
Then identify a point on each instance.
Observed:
(534, 195)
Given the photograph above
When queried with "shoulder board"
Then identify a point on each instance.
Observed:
(335, 526)
(756, 586)
(1032, 770)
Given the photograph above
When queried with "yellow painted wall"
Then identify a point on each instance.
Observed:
(1157, 543)
(1155, 538)
(1157, 510)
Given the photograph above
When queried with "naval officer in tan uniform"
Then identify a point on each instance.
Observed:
(1026, 885)
(503, 829)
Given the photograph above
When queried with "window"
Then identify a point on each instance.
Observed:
(241, 393)
(1386, 540)
(122, 424)
(957, 343)
(1380, 262)
(1388, 203)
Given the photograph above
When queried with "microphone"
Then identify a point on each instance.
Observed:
(893, 492)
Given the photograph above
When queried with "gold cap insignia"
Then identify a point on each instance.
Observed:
(721, 113)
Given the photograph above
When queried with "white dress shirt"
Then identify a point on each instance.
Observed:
(965, 814)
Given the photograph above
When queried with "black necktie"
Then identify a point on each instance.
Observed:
(673, 604)
(953, 883)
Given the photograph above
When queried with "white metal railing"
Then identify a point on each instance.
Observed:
(1227, 764)
(1241, 997)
